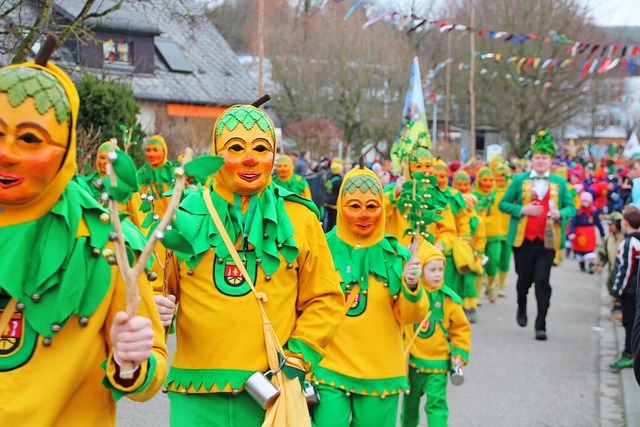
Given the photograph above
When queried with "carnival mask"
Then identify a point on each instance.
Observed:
(284, 168)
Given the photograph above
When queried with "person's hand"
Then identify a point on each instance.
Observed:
(166, 307)
(401, 180)
(555, 214)
(598, 269)
(412, 273)
(532, 209)
(571, 236)
(457, 362)
(131, 338)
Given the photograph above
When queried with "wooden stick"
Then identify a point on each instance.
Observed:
(130, 275)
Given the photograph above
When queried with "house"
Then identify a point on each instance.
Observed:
(181, 70)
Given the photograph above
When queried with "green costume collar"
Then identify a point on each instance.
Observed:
(270, 231)
(295, 184)
(59, 275)
(161, 178)
(384, 260)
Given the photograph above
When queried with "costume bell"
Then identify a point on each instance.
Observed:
(57, 362)
(364, 369)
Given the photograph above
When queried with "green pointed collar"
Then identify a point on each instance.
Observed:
(162, 177)
(271, 232)
(51, 271)
(385, 260)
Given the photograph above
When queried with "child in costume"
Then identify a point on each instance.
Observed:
(288, 180)
(491, 216)
(582, 232)
(443, 341)
(502, 173)
(220, 336)
(607, 256)
(156, 176)
(364, 371)
(533, 200)
(62, 321)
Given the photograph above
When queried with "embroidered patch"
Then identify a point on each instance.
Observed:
(17, 343)
(426, 329)
(359, 304)
(227, 277)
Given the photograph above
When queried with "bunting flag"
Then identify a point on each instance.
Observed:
(376, 13)
(414, 129)
(632, 147)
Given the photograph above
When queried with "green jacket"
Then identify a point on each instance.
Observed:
(520, 193)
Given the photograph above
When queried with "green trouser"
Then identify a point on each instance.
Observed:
(453, 278)
(505, 256)
(469, 285)
(214, 410)
(492, 251)
(435, 387)
(339, 409)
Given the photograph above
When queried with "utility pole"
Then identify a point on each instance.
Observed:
(472, 93)
(260, 47)
(447, 95)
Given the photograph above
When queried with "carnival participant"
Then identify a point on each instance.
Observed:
(288, 180)
(277, 236)
(64, 332)
(156, 176)
(363, 373)
(537, 201)
(94, 184)
(442, 344)
(582, 232)
(491, 216)
(503, 178)
(462, 183)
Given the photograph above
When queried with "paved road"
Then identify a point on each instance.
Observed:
(513, 380)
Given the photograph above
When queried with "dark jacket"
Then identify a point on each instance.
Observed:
(626, 269)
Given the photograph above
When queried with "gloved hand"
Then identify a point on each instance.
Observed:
(294, 368)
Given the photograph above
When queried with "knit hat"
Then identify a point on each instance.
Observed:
(543, 143)
(585, 196)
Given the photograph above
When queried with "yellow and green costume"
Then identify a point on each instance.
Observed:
(364, 369)
(155, 181)
(67, 293)
(290, 181)
(503, 178)
(444, 335)
(218, 324)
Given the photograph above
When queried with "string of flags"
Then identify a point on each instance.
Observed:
(608, 51)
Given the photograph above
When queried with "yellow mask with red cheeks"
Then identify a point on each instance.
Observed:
(284, 168)
(462, 182)
(485, 180)
(441, 171)
(360, 221)
(156, 151)
(244, 136)
(37, 139)
(420, 160)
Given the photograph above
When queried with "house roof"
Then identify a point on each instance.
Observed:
(218, 77)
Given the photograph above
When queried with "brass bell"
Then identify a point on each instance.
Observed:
(383, 396)
(258, 260)
(165, 390)
(56, 327)
(84, 321)
(35, 297)
(95, 252)
(112, 260)
(183, 390)
(105, 218)
(220, 260)
(289, 266)
(20, 307)
(46, 342)
(267, 278)
(265, 236)
(189, 272)
(279, 245)
(113, 236)
(235, 391)
(152, 276)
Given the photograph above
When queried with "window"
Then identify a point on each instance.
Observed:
(117, 51)
(173, 56)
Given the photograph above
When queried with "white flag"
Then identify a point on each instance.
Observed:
(632, 147)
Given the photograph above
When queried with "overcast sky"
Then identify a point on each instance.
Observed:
(615, 12)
